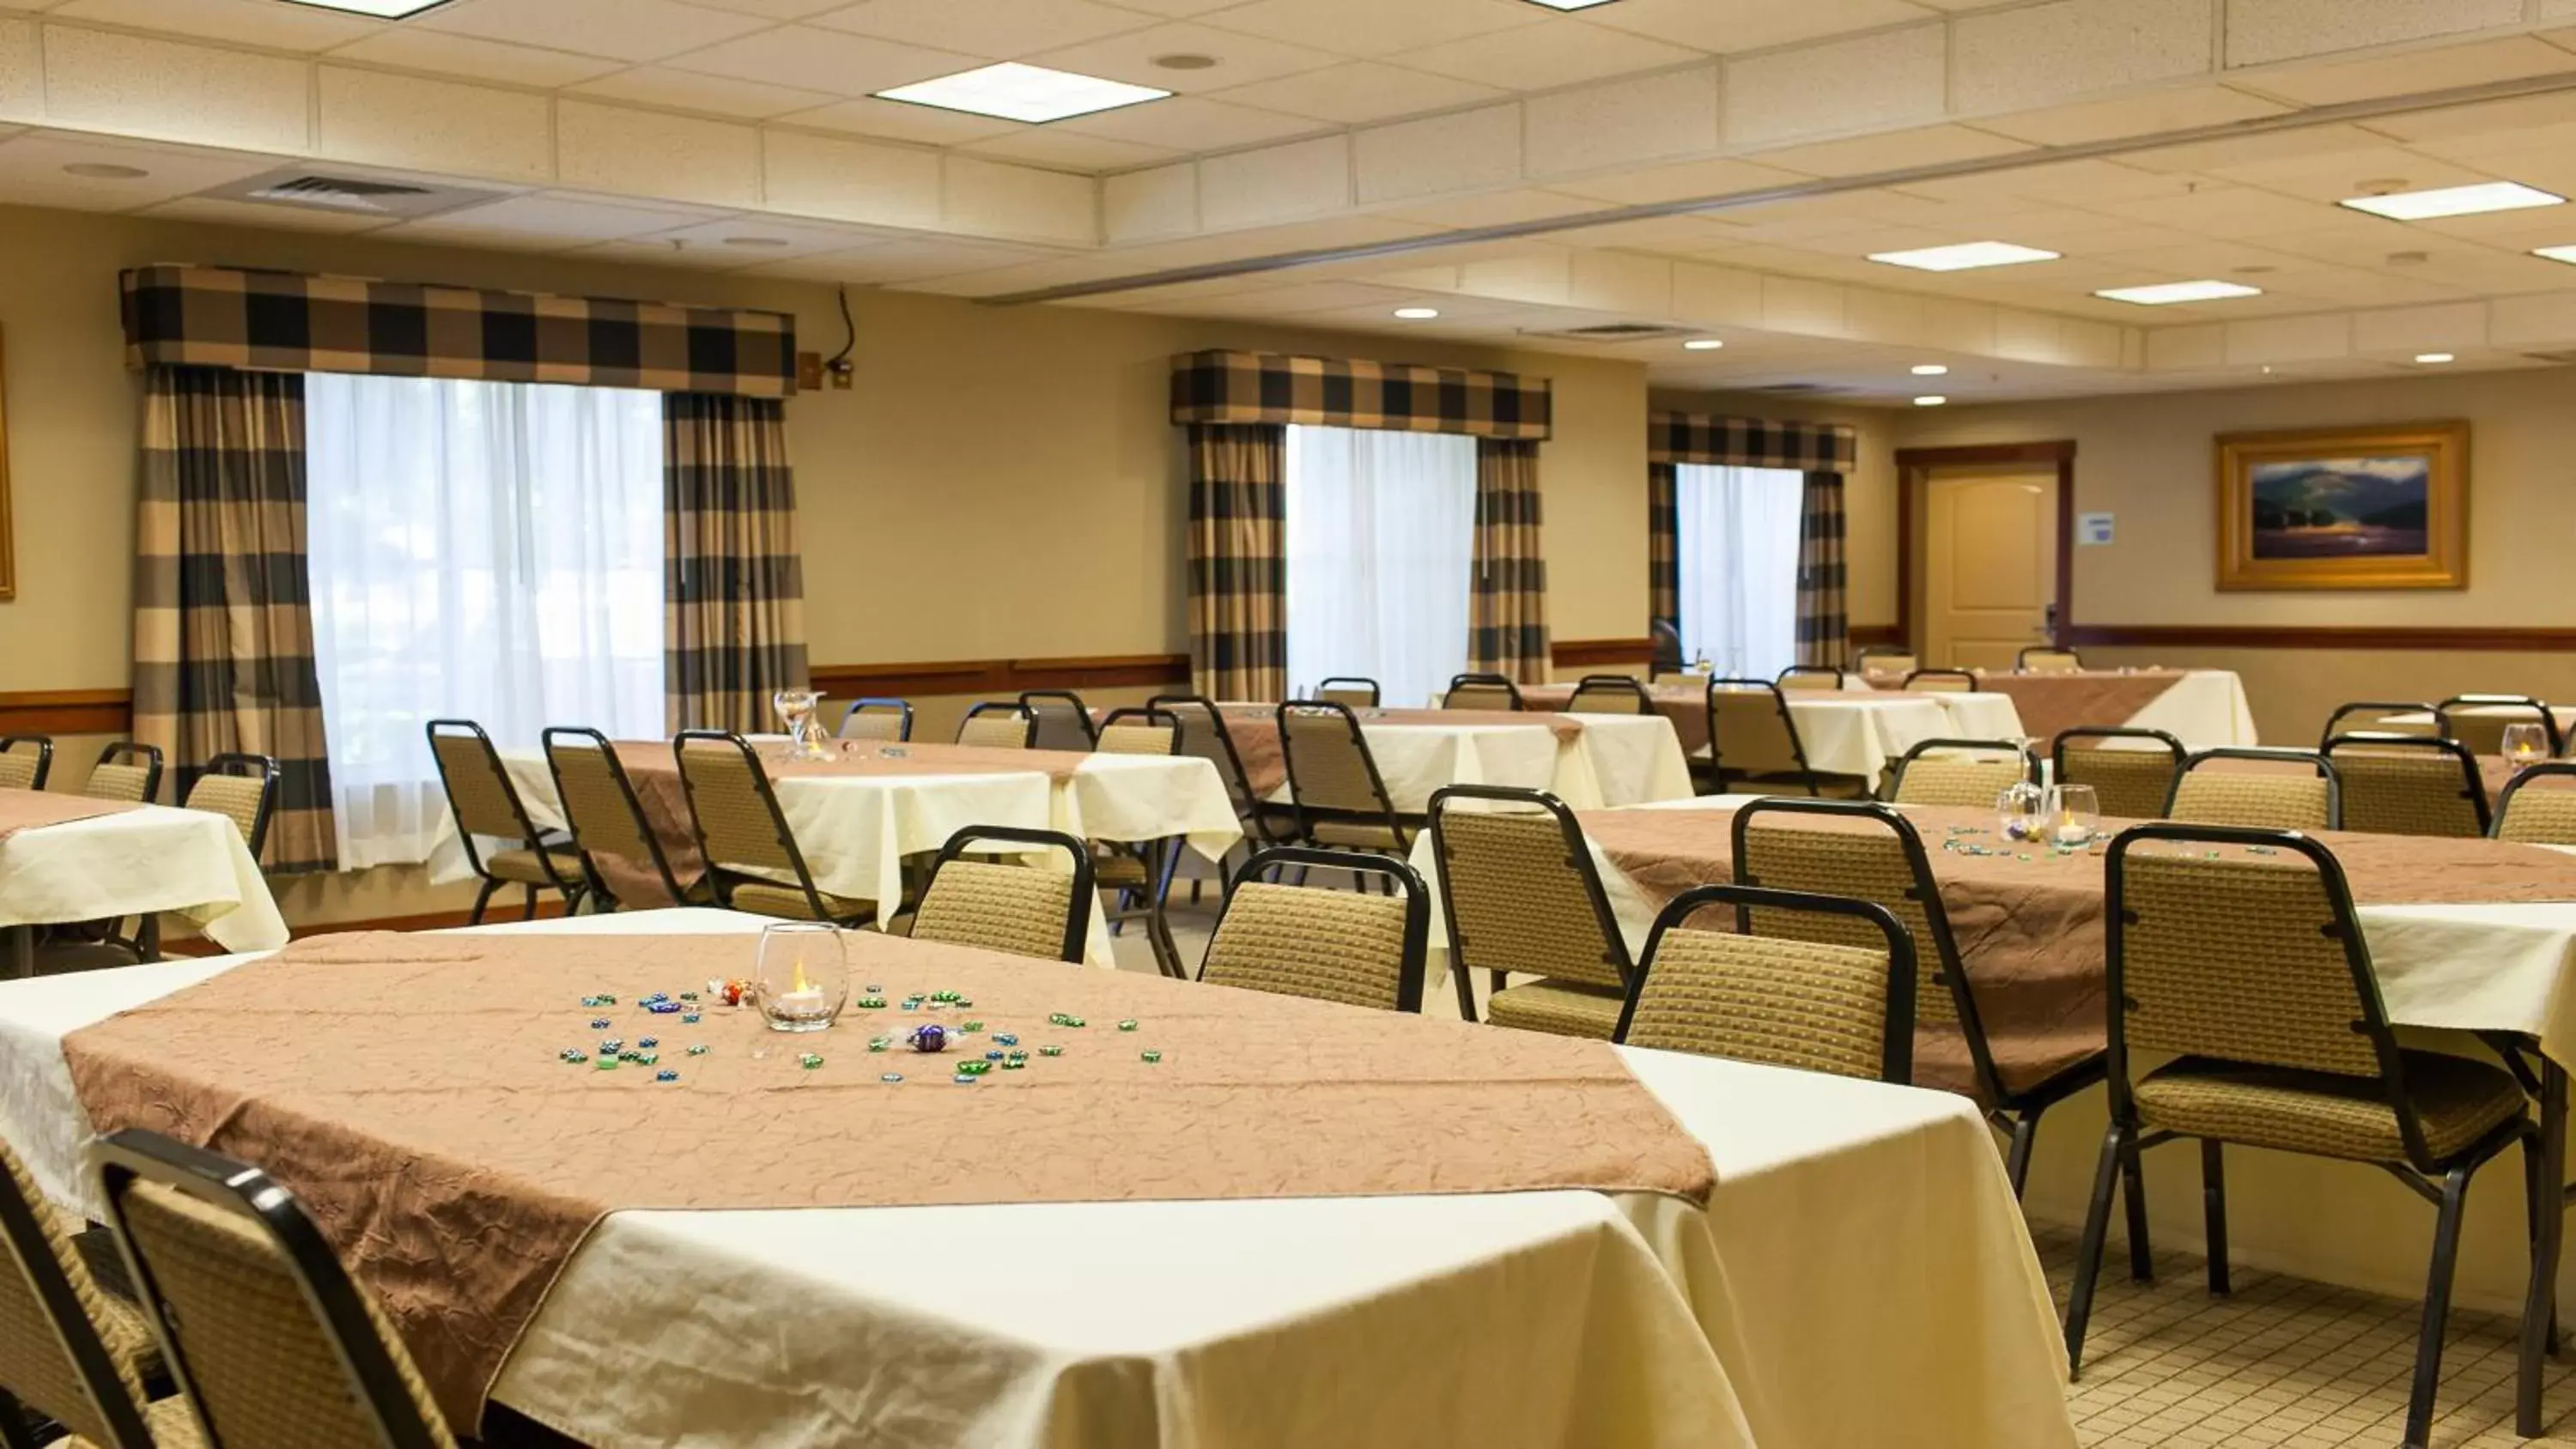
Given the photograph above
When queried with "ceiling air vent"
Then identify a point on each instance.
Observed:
(352, 195)
(1614, 332)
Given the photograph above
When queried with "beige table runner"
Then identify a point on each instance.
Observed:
(1255, 730)
(2029, 931)
(35, 809)
(410, 1089)
(2052, 703)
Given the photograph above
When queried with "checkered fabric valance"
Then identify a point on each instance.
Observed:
(1750, 443)
(1267, 387)
(261, 321)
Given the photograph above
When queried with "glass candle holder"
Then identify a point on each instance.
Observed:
(2073, 814)
(802, 977)
(2525, 744)
(2019, 811)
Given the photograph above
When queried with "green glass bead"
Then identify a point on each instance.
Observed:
(1153, 1056)
(646, 1059)
(1128, 1025)
(688, 996)
(1015, 1064)
(973, 1069)
(872, 1003)
(699, 1050)
(1050, 1051)
(608, 1064)
(810, 1061)
(970, 1026)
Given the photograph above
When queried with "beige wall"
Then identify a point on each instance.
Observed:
(1001, 483)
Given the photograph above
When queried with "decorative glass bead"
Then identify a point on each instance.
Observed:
(961, 1079)
(810, 1060)
(891, 1077)
(1050, 1051)
(601, 1023)
(648, 1042)
(1153, 1056)
(664, 1008)
(1128, 1025)
(970, 1026)
(666, 1075)
(1017, 1057)
(689, 1018)
(607, 1063)
(975, 1068)
(575, 1055)
(872, 1003)
(992, 1056)
(1015, 1064)
(688, 996)
(613, 1045)
(646, 1059)
(699, 1050)
(1075, 1021)
(1004, 1038)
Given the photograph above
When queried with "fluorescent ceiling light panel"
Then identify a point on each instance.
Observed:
(2165, 294)
(1930, 369)
(2434, 358)
(1417, 314)
(1930, 400)
(2455, 201)
(2565, 254)
(1964, 256)
(1016, 92)
(1702, 344)
(380, 9)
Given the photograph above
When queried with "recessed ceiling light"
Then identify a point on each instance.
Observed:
(2164, 294)
(381, 9)
(2433, 357)
(1569, 4)
(1963, 256)
(2565, 254)
(1702, 344)
(1930, 369)
(755, 241)
(1930, 400)
(105, 171)
(2455, 201)
(1417, 314)
(1016, 92)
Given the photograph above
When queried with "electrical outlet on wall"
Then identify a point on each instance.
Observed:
(809, 371)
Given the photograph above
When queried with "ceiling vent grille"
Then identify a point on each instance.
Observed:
(353, 195)
(1613, 332)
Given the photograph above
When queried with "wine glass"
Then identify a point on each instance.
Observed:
(2018, 812)
(2525, 744)
(795, 709)
(801, 978)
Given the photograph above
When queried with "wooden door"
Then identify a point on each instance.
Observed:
(1990, 567)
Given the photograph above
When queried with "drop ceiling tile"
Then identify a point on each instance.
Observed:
(1006, 28)
(2139, 115)
(1556, 52)
(261, 23)
(432, 125)
(715, 95)
(1495, 208)
(1681, 235)
(824, 60)
(2228, 212)
(1623, 122)
(1177, 9)
(903, 261)
(564, 221)
(1069, 150)
(22, 69)
(845, 180)
(1788, 94)
(32, 162)
(631, 30)
(2070, 183)
(647, 153)
(2460, 132)
(1460, 151)
(901, 121)
(1925, 146)
(1358, 92)
(1190, 123)
(214, 212)
(2316, 145)
(2350, 173)
(2415, 71)
(1240, 59)
(2552, 167)
(2046, 54)
(406, 48)
(2259, 31)
(1752, 24)
(1688, 180)
(1373, 28)
(772, 9)
(137, 85)
(1275, 183)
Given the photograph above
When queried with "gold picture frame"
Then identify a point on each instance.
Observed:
(2383, 507)
(8, 548)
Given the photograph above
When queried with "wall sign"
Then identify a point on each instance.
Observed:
(2092, 528)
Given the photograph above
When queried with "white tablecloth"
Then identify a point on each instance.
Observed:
(189, 863)
(1614, 760)
(2205, 709)
(1860, 1278)
(1846, 732)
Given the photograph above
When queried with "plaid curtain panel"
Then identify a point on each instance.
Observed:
(1749, 442)
(287, 322)
(1267, 387)
(1238, 560)
(1663, 546)
(1824, 633)
(733, 583)
(1507, 614)
(223, 626)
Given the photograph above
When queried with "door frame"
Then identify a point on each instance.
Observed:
(1914, 470)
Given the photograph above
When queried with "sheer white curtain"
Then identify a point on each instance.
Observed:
(489, 551)
(1739, 567)
(1381, 537)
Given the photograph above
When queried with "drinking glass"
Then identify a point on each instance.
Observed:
(2525, 744)
(801, 979)
(2074, 814)
(796, 712)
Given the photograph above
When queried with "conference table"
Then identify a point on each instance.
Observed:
(67, 858)
(1586, 760)
(1846, 1266)
(1851, 731)
(2206, 709)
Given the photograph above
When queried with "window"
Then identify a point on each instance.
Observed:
(1739, 567)
(1381, 538)
(489, 551)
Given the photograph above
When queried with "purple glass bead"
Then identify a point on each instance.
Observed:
(929, 1037)
(663, 1008)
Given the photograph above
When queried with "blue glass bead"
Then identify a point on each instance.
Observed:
(1005, 1038)
(613, 1045)
(601, 1023)
(648, 1042)
(963, 1081)
(666, 1075)
(992, 1056)
(930, 1037)
(663, 1008)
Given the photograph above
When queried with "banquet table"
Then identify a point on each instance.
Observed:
(1586, 760)
(855, 823)
(1858, 1275)
(1844, 732)
(131, 860)
(2203, 708)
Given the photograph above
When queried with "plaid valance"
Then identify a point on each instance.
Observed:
(1268, 387)
(1750, 443)
(265, 321)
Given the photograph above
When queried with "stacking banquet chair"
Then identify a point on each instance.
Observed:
(125, 771)
(242, 789)
(2479, 720)
(485, 803)
(1885, 659)
(1753, 743)
(1357, 949)
(2132, 771)
(1004, 904)
(1811, 676)
(1813, 1005)
(1941, 681)
(1063, 720)
(744, 836)
(606, 818)
(2538, 806)
(24, 761)
(69, 1350)
(877, 719)
(2046, 659)
(1340, 798)
(1357, 691)
(1958, 772)
(1141, 873)
(995, 724)
(1609, 694)
(1521, 894)
(1203, 733)
(2384, 716)
(1481, 691)
(271, 1342)
(2398, 784)
(2208, 792)
(2252, 972)
(1887, 865)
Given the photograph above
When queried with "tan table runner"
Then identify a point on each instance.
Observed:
(2030, 931)
(410, 1089)
(1255, 730)
(35, 809)
(2050, 704)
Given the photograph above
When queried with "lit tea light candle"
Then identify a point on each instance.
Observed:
(802, 999)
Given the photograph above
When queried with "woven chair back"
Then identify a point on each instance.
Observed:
(877, 719)
(2131, 771)
(1138, 732)
(1959, 772)
(2385, 716)
(1868, 865)
(1481, 694)
(1329, 767)
(2423, 787)
(127, 772)
(1064, 722)
(1805, 1004)
(1887, 661)
(2479, 721)
(1328, 945)
(1811, 676)
(478, 791)
(2240, 957)
(40, 1346)
(1941, 681)
(1355, 692)
(598, 803)
(1750, 730)
(998, 728)
(2049, 661)
(1521, 896)
(739, 825)
(1609, 694)
(2210, 792)
(2539, 807)
(1019, 910)
(23, 759)
(243, 799)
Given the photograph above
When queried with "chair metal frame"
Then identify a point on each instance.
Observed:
(1162, 857)
(2021, 656)
(1238, 781)
(2441, 717)
(528, 832)
(1375, 694)
(50, 1284)
(1578, 859)
(1896, 1042)
(1780, 703)
(2548, 718)
(1626, 684)
(2176, 752)
(1076, 710)
(2562, 769)
(44, 754)
(1306, 815)
(600, 893)
(1897, 767)
(1028, 718)
(2325, 769)
(2125, 1142)
(1417, 910)
(265, 767)
(1077, 923)
(1942, 674)
(1801, 670)
(134, 1155)
(2473, 783)
(877, 702)
(1484, 679)
(720, 882)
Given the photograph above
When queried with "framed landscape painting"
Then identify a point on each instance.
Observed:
(2345, 508)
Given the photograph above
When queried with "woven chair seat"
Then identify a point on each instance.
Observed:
(2457, 1100)
(525, 868)
(171, 1424)
(1562, 1008)
(1118, 870)
(1359, 834)
(789, 903)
